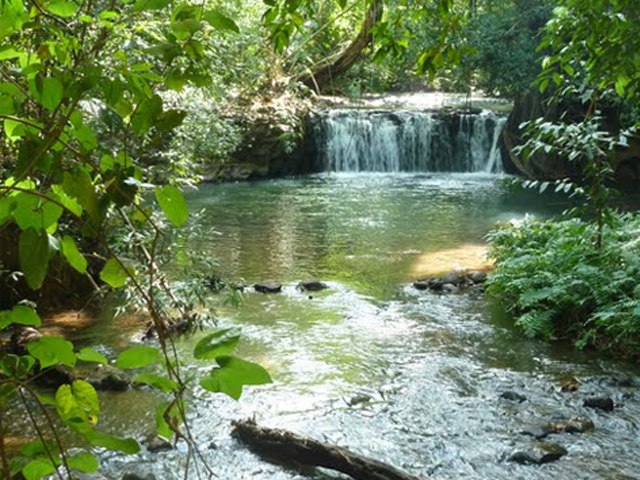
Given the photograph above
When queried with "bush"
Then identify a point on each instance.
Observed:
(558, 283)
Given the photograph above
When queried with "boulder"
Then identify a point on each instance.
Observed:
(536, 432)
(570, 385)
(538, 454)
(108, 378)
(600, 402)
(312, 286)
(449, 288)
(268, 287)
(436, 284)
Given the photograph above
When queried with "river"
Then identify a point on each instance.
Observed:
(434, 366)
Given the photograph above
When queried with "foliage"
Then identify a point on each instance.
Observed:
(556, 282)
(82, 110)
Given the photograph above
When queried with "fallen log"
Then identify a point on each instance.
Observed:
(291, 448)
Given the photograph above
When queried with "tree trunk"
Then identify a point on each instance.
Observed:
(323, 73)
(291, 448)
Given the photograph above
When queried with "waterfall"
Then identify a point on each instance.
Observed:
(350, 140)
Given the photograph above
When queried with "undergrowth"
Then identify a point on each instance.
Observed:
(558, 284)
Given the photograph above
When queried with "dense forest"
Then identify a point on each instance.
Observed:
(116, 115)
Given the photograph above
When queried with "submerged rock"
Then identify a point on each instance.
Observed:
(513, 396)
(158, 445)
(449, 288)
(108, 378)
(268, 287)
(538, 454)
(312, 286)
(600, 402)
(570, 385)
(134, 476)
(358, 399)
(536, 432)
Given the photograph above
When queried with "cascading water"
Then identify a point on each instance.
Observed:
(408, 141)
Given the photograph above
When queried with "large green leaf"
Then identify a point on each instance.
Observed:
(125, 445)
(83, 462)
(220, 21)
(51, 93)
(73, 255)
(62, 8)
(20, 314)
(173, 204)
(232, 375)
(141, 5)
(217, 344)
(33, 251)
(38, 468)
(164, 384)
(16, 366)
(34, 212)
(90, 355)
(113, 274)
(52, 350)
(138, 356)
(78, 403)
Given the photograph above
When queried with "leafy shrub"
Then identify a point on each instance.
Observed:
(557, 282)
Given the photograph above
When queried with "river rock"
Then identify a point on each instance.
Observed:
(421, 285)
(570, 385)
(240, 286)
(436, 284)
(134, 476)
(477, 276)
(536, 432)
(55, 376)
(449, 288)
(158, 445)
(575, 425)
(358, 399)
(538, 454)
(312, 286)
(452, 277)
(108, 378)
(268, 287)
(513, 396)
(600, 402)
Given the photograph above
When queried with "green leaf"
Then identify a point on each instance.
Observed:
(173, 204)
(14, 366)
(220, 21)
(78, 404)
(25, 316)
(83, 462)
(141, 5)
(51, 351)
(164, 384)
(32, 211)
(100, 439)
(51, 93)
(62, 8)
(232, 375)
(146, 115)
(217, 344)
(138, 356)
(33, 251)
(113, 274)
(73, 255)
(90, 355)
(38, 468)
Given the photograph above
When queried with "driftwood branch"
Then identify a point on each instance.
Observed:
(291, 448)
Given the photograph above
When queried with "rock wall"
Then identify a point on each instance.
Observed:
(550, 167)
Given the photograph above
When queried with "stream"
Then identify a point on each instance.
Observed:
(410, 378)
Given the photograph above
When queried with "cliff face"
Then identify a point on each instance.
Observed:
(550, 167)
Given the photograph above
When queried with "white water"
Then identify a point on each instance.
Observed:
(409, 141)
